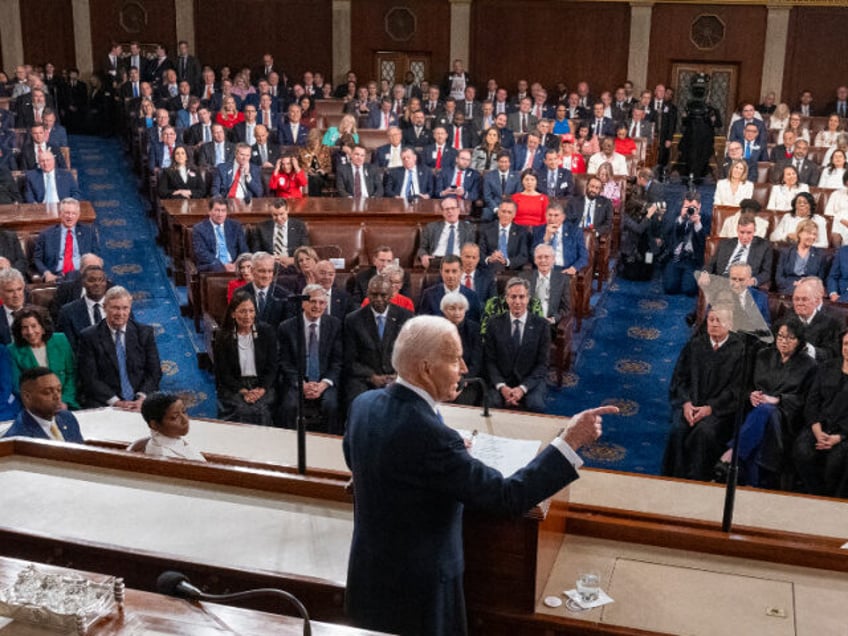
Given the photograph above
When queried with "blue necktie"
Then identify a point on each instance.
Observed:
(381, 326)
(516, 333)
(313, 369)
(451, 240)
(554, 240)
(261, 302)
(222, 252)
(50, 193)
(219, 153)
(409, 187)
(747, 150)
(135, 89)
(127, 392)
(502, 242)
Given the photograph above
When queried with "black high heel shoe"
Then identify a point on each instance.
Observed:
(721, 471)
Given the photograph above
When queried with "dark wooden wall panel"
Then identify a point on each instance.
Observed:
(432, 34)
(550, 41)
(156, 24)
(298, 33)
(815, 53)
(743, 44)
(48, 35)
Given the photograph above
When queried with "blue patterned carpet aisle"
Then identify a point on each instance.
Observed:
(133, 260)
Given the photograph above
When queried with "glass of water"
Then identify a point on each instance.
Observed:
(589, 586)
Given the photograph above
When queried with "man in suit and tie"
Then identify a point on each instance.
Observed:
(753, 151)
(565, 238)
(601, 125)
(417, 135)
(86, 311)
(319, 340)
(839, 106)
(808, 172)
(339, 302)
(440, 238)
(270, 299)
(245, 131)
(381, 256)
(369, 336)
(745, 248)
(822, 327)
(118, 358)
(549, 285)
(188, 68)
(36, 146)
(219, 150)
(384, 117)
(663, 114)
(31, 110)
(44, 416)
(357, 179)
(737, 130)
(181, 104)
(480, 280)
(293, 132)
(450, 271)
(389, 155)
(460, 133)
(516, 353)
(462, 182)
(263, 153)
(522, 121)
(499, 184)
(439, 154)
(469, 106)
(639, 126)
(555, 181)
(280, 235)
(785, 150)
(410, 181)
(161, 155)
(48, 184)
(240, 179)
(218, 242)
(507, 137)
(504, 244)
(12, 294)
(59, 247)
(591, 210)
(529, 154)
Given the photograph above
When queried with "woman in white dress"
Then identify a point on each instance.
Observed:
(837, 207)
(167, 419)
(827, 137)
(795, 126)
(831, 176)
(841, 144)
(784, 193)
(735, 187)
(803, 207)
(779, 119)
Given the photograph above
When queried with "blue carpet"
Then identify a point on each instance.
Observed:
(133, 260)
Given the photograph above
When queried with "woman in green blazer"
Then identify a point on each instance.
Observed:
(35, 345)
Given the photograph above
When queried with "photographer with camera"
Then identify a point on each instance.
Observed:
(641, 228)
(684, 247)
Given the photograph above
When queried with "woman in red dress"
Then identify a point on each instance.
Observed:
(229, 115)
(532, 205)
(288, 179)
(569, 159)
(624, 145)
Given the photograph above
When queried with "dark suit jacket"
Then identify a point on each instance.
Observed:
(381, 156)
(341, 303)
(492, 187)
(284, 134)
(364, 353)
(809, 172)
(760, 255)
(98, 363)
(823, 333)
(470, 182)
(518, 243)
(559, 300)
(344, 181)
(485, 285)
(205, 245)
(49, 252)
(737, 132)
(359, 287)
(9, 192)
(412, 475)
(73, 319)
(188, 70)
(66, 185)
(529, 364)
(607, 126)
(431, 298)
(223, 177)
(432, 231)
(394, 181)
(239, 132)
(427, 157)
(375, 118)
(424, 139)
(26, 426)
(519, 158)
(10, 247)
(27, 159)
(785, 277)
(574, 252)
(194, 134)
(272, 150)
(837, 279)
(602, 216)
(466, 135)
(206, 156)
(262, 237)
(562, 186)
(472, 347)
(227, 368)
(330, 350)
(170, 181)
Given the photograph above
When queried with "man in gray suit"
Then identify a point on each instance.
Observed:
(369, 182)
(445, 237)
(549, 285)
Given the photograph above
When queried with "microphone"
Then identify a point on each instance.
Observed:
(482, 384)
(177, 584)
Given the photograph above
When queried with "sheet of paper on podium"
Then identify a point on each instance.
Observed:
(504, 454)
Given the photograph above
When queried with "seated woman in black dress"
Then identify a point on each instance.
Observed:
(245, 364)
(782, 375)
(180, 180)
(454, 307)
(821, 450)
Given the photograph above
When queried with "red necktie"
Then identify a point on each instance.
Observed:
(439, 159)
(234, 188)
(171, 150)
(468, 281)
(457, 142)
(386, 120)
(68, 259)
(37, 116)
(458, 178)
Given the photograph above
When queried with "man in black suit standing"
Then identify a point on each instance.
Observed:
(270, 299)
(745, 248)
(280, 235)
(369, 337)
(549, 285)
(188, 68)
(504, 244)
(118, 360)
(338, 300)
(664, 116)
(516, 353)
(357, 179)
(440, 238)
(86, 311)
(320, 342)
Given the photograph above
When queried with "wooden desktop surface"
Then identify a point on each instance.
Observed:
(37, 216)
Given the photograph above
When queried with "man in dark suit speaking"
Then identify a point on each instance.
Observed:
(411, 477)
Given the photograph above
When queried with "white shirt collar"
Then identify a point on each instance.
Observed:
(44, 424)
(419, 392)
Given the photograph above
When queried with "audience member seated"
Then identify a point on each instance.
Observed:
(837, 279)
(34, 344)
(319, 342)
(369, 337)
(528, 155)
(229, 114)
(822, 329)
(610, 188)
(87, 310)
(263, 153)
(820, 452)
(833, 175)
(485, 155)
(591, 210)
(753, 142)
(516, 351)
(58, 249)
(218, 151)
(745, 248)
(570, 159)
(268, 297)
(167, 419)
(161, 155)
(749, 207)
(734, 153)
(795, 125)
(357, 179)
(624, 145)
(736, 187)
(607, 154)
(117, 358)
(219, 241)
(43, 415)
(550, 286)
(380, 258)
(683, 247)
(503, 243)
(462, 182)
(280, 235)
(454, 307)
(245, 364)
(746, 296)
(498, 184)
(837, 207)
(779, 119)
(565, 239)
(785, 151)
(450, 271)
(409, 181)
(317, 161)
(800, 260)
(305, 260)
(288, 179)
(472, 276)
(339, 303)
(12, 294)
(704, 396)
(53, 132)
(244, 274)
(827, 136)
(557, 182)
(35, 147)
(9, 192)
(11, 253)
(441, 238)
(48, 184)
(395, 274)
(531, 205)
(806, 171)
(782, 376)
(382, 118)
(239, 179)
(585, 143)
(181, 181)
(801, 207)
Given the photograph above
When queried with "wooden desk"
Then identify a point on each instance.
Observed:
(34, 217)
(149, 613)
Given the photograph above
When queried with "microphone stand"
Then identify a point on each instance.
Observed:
(479, 382)
(296, 299)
